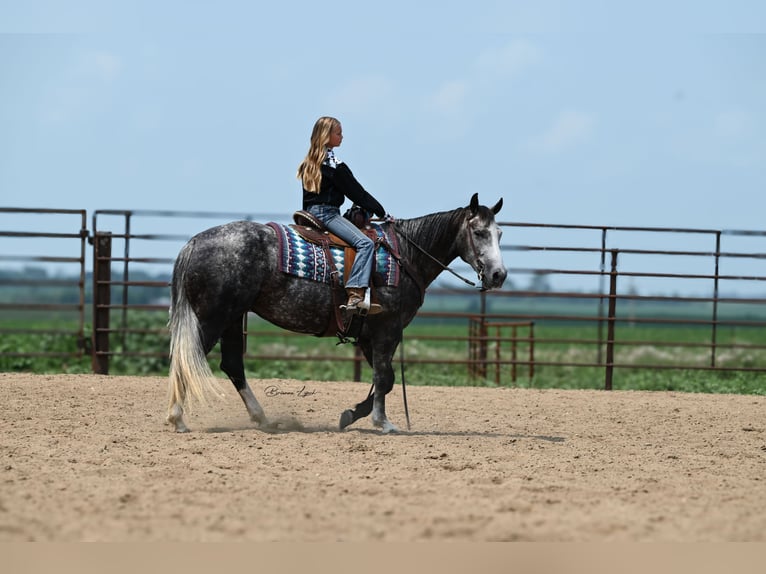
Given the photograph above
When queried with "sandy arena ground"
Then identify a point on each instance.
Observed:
(89, 458)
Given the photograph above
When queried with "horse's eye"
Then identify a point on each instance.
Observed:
(481, 233)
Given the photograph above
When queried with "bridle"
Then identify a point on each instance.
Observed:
(479, 262)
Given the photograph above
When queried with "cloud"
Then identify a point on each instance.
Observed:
(569, 129)
(452, 107)
(449, 98)
(731, 137)
(362, 95)
(509, 60)
(79, 88)
(733, 124)
(447, 113)
(103, 65)
(736, 139)
(491, 68)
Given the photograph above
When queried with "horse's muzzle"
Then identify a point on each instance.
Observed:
(494, 279)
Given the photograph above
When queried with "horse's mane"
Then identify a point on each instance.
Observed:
(435, 233)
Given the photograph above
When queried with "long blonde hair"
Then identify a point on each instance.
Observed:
(309, 171)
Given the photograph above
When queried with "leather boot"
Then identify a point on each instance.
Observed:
(356, 303)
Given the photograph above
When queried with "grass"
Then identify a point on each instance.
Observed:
(431, 348)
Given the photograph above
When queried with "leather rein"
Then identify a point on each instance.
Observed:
(439, 263)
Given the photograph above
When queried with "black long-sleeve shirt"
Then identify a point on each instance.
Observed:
(338, 183)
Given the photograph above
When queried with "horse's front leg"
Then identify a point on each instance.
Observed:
(379, 418)
(383, 378)
(375, 403)
(350, 416)
(379, 358)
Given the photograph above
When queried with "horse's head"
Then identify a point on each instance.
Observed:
(480, 243)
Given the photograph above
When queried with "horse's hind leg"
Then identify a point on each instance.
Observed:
(233, 365)
(176, 414)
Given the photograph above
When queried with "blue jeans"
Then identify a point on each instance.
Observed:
(343, 228)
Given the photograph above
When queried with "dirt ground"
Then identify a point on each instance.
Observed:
(89, 458)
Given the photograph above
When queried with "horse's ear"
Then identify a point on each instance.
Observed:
(474, 203)
(498, 206)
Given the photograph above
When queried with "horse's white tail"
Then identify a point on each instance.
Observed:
(190, 373)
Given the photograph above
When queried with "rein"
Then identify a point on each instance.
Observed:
(401, 365)
(439, 263)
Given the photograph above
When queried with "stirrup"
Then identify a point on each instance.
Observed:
(373, 309)
(354, 307)
(362, 307)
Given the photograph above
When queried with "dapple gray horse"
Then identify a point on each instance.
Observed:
(226, 271)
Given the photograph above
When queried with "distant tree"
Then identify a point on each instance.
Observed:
(31, 272)
(540, 282)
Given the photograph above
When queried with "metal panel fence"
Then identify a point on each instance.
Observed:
(42, 305)
(578, 297)
(666, 298)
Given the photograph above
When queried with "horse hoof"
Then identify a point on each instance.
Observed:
(388, 427)
(346, 418)
(178, 424)
(270, 426)
(261, 421)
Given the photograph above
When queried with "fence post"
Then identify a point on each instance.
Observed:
(715, 299)
(102, 276)
(610, 323)
(602, 268)
(531, 350)
(514, 340)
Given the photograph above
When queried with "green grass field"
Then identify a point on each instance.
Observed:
(435, 353)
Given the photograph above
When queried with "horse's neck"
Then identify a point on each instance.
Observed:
(435, 234)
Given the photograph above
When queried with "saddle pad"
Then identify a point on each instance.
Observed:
(309, 260)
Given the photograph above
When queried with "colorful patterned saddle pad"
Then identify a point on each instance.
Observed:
(309, 260)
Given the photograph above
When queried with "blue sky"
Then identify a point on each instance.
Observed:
(603, 113)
